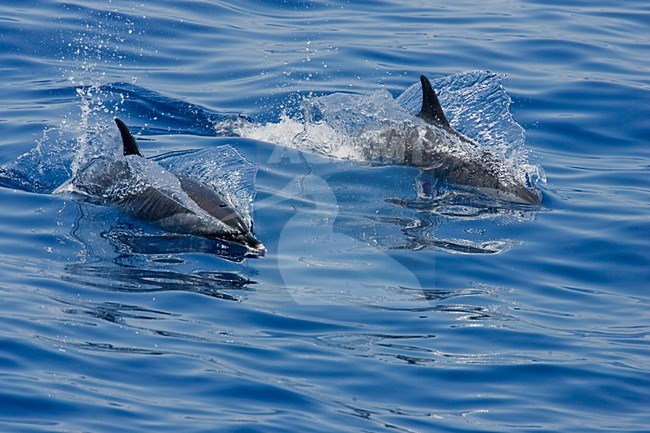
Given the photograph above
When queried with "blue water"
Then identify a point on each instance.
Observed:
(385, 302)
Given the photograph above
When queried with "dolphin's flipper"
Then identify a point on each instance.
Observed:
(431, 110)
(130, 146)
(213, 203)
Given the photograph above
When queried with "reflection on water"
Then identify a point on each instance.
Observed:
(128, 240)
(118, 278)
(472, 308)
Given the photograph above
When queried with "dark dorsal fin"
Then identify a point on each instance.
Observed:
(130, 146)
(431, 110)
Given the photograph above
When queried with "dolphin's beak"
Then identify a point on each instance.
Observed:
(257, 248)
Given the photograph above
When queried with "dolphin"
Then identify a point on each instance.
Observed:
(142, 189)
(457, 159)
(380, 131)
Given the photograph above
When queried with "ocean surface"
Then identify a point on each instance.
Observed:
(387, 300)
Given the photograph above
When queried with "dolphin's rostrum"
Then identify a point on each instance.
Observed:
(144, 190)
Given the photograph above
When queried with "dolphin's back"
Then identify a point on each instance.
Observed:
(117, 182)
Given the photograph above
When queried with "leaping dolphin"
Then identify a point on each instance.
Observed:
(144, 190)
(480, 170)
(379, 131)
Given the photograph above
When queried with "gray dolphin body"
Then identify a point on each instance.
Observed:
(144, 190)
(457, 159)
